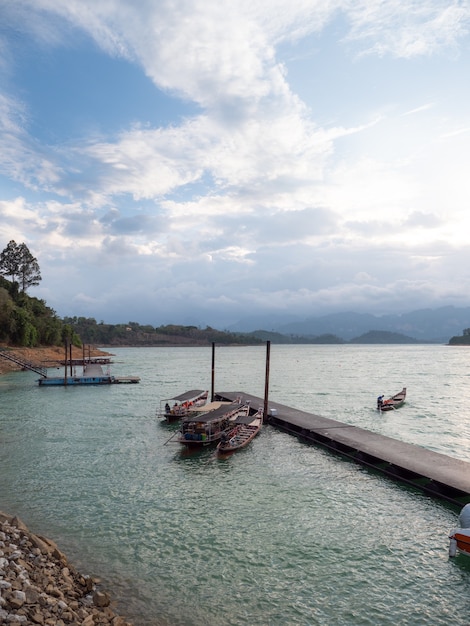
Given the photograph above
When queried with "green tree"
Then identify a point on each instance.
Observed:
(23, 331)
(10, 262)
(17, 262)
(29, 272)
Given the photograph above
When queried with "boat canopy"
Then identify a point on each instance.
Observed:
(243, 419)
(209, 406)
(213, 415)
(188, 395)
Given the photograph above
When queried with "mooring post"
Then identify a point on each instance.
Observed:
(65, 362)
(266, 382)
(213, 371)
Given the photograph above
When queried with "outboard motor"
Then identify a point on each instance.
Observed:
(464, 521)
(464, 517)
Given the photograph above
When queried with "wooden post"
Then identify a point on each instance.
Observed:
(213, 371)
(70, 351)
(65, 362)
(266, 383)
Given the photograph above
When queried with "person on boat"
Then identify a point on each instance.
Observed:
(167, 408)
(380, 401)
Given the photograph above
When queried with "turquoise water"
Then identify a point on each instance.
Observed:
(281, 533)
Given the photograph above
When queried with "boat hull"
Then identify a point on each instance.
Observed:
(208, 428)
(460, 541)
(240, 436)
(238, 440)
(395, 402)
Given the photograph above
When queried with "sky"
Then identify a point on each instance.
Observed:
(204, 161)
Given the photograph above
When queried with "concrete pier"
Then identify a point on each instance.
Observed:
(435, 474)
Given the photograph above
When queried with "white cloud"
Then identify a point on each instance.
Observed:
(250, 202)
(408, 28)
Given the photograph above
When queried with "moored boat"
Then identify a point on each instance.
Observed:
(460, 537)
(182, 405)
(208, 428)
(394, 402)
(243, 432)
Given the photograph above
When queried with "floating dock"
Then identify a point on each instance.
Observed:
(433, 473)
(62, 381)
(93, 374)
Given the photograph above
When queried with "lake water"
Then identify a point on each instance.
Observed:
(281, 533)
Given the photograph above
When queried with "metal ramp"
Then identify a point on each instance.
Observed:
(9, 356)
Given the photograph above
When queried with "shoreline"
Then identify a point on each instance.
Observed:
(39, 586)
(49, 356)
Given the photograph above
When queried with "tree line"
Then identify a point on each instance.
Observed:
(461, 340)
(134, 334)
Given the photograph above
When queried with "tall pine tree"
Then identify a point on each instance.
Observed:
(17, 262)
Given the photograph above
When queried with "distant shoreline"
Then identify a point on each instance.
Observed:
(44, 354)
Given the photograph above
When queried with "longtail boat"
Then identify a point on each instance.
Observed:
(392, 403)
(243, 432)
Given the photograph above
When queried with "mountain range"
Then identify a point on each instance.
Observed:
(429, 325)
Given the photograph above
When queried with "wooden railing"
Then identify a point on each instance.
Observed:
(11, 356)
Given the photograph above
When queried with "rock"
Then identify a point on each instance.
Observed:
(17, 599)
(101, 599)
(37, 617)
(39, 586)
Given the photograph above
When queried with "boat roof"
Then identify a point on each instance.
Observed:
(213, 415)
(188, 395)
(209, 406)
(244, 419)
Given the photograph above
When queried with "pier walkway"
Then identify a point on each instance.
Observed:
(431, 472)
(8, 355)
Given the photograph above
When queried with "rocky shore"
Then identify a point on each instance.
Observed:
(39, 586)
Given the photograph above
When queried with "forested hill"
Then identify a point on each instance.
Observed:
(134, 334)
(27, 321)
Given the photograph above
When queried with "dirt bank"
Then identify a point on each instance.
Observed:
(47, 356)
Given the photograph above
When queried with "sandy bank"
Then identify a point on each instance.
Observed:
(49, 356)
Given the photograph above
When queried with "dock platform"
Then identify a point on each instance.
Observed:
(433, 473)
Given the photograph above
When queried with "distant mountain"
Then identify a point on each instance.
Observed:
(383, 337)
(277, 338)
(266, 322)
(428, 325)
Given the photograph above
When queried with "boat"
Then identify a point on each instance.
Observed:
(183, 405)
(392, 403)
(460, 537)
(207, 428)
(244, 431)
